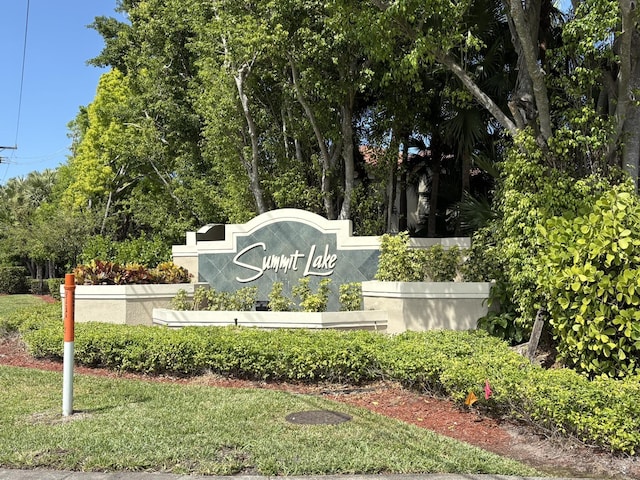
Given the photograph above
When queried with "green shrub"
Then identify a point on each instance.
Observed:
(278, 301)
(46, 286)
(53, 287)
(400, 263)
(603, 411)
(289, 355)
(181, 301)
(37, 286)
(590, 274)
(442, 265)
(144, 250)
(529, 194)
(309, 301)
(31, 318)
(503, 325)
(397, 262)
(350, 297)
(13, 280)
(243, 299)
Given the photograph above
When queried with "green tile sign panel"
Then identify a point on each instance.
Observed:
(284, 249)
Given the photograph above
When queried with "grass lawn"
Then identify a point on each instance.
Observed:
(11, 303)
(135, 425)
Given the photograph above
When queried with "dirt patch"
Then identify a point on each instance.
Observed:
(555, 456)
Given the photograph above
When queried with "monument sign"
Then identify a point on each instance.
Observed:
(279, 246)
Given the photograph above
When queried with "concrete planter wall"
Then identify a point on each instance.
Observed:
(428, 305)
(123, 304)
(361, 320)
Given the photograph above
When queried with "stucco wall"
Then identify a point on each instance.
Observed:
(428, 305)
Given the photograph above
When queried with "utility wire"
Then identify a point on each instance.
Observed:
(24, 57)
(22, 69)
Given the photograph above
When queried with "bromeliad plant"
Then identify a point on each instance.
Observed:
(98, 272)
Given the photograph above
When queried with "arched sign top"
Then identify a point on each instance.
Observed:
(340, 228)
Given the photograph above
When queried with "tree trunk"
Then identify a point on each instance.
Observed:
(631, 150)
(402, 208)
(106, 213)
(393, 178)
(534, 340)
(39, 277)
(51, 269)
(325, 182)
(465, 182)
(526, 24)
(481, 97)
(466, 173)
(628, 57)
(252, 167)
(347, 155)
(436, 159)
(433, 199)
(631, 131)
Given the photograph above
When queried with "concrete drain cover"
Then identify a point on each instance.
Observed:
(318, 417)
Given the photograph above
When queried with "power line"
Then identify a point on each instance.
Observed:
(24, 57)
(2, 159)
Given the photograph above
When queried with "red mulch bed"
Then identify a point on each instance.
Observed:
(555, 456)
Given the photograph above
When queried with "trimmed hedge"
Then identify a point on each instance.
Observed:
(14, 280)
(603, 411)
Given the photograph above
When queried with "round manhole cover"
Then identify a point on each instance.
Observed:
(318, 417)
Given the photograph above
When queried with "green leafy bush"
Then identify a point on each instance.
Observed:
(292, 355)
(13, 280)
(400, 263)
(181, 301)
(31, 318)
(503, 325)
(278, 301)
(309, 301)
(529, 194)
(590, 273)
(144, 250)
(440, 264)
(53, 287)
(350, 297)
(37, 286)
(242, 300)
(397, 262)
(602, 411)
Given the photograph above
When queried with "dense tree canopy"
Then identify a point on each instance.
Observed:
(215, 110)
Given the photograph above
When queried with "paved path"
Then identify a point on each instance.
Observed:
(59, 475)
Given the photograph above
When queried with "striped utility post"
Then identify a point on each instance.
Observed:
(69, 335)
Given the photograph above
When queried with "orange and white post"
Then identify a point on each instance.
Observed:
(69, 338)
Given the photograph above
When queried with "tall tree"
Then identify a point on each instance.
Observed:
(598, 44)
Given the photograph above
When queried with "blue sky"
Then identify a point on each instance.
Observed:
(57, 80)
